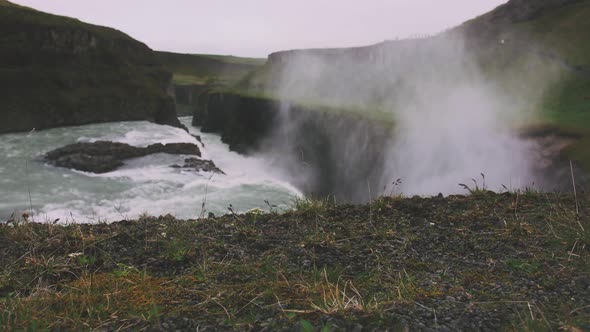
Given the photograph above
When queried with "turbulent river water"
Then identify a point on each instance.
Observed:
(144, 185)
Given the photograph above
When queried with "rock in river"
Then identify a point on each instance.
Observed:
(106, 156)
(199, 165)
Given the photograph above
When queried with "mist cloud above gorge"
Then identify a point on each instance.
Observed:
(453, 120)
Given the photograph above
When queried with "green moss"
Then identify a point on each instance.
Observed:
(182, 79)
(205, 68)
(579, 151)
(561, 30)
(375, 113)
(234, 59)
(568, 102)
(522, 265)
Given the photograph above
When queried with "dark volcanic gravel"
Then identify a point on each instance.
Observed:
(482, 262)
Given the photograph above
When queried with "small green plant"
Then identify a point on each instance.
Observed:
(394, 185)
(204, 201)
(306, 325)
(153, 313)
(527, 190)
(311, 205)
(521, 265)
(476, 189)
(253, 214)
(336, 296)
(177, 249)
(124, 270)
(406, 289)
(272, 208)
(86, 260)
(380, 204)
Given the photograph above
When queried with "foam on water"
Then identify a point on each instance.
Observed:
(143, 185)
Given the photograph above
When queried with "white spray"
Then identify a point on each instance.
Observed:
(453, 124)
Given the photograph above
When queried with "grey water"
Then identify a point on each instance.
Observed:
(144, 185)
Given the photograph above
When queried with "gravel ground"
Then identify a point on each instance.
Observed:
(481, 262)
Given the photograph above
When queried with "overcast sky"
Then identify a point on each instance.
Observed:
(259, 27)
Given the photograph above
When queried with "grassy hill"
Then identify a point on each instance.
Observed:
(195, 73)
(552, 33)
(207, 68)
(556, 33)
(59, 71)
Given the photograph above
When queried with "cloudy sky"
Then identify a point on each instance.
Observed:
(259, 27)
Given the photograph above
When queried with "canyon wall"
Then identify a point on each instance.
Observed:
(57, 71)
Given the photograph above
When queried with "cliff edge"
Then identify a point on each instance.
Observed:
(57, 71)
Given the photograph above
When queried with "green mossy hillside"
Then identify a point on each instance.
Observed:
(522, 37)
(552, 33)
(208, 69)
(194, 74)
(58, 71)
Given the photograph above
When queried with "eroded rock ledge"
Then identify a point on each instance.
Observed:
(199, 165)
(106, 156)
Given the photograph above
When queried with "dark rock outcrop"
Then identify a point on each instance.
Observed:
(198, 138)
(199, 165)
(198, 73)
(327, 153)
(188, 94)
(57, 71)
(243, 122)
(105, 156)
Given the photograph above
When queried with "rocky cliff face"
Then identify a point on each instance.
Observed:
(197, 73)
(341, 154)
(324, 153)
(187, 96)
(243, 122)
(57, 71)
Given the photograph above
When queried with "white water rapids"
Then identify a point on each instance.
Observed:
(144, 185)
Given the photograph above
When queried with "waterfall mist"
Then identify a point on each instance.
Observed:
(423, 111)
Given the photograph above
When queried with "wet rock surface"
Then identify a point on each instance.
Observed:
(106, 156)
(199, 165)
(311, 138)
(198, 138)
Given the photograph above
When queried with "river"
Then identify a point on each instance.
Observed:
(144, 185)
